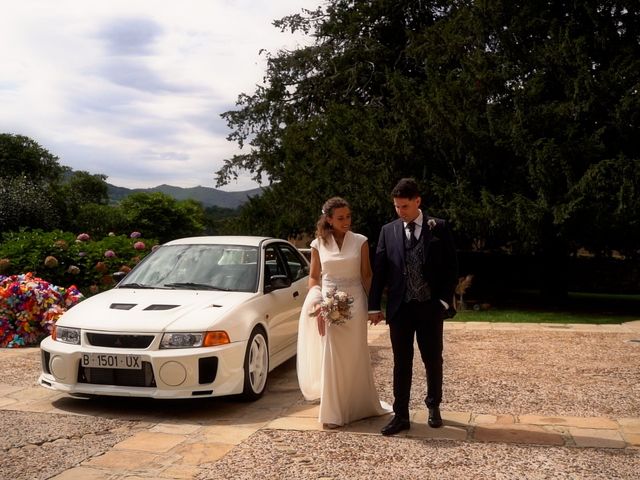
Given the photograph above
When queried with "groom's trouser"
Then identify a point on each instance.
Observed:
(424, 321)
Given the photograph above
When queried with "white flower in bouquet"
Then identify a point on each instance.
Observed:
(335, 308)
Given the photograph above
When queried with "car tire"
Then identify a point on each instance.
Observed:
(256, 365)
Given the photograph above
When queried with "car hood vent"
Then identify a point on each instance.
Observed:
(122, 306)
(161, 307)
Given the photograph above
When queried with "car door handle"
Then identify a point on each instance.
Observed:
(295, 294)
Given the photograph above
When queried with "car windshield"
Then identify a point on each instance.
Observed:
(197, 267)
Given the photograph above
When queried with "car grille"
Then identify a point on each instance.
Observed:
(46, 356)
(121, 377)
(207, 369)
(119, 340)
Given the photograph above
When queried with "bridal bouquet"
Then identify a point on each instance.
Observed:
(335, 308)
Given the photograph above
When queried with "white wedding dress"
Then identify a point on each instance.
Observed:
(337, 367)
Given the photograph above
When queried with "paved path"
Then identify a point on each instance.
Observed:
(171, 439)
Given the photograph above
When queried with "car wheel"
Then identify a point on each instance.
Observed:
(256, 365)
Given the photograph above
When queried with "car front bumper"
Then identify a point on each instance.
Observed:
(165, 374)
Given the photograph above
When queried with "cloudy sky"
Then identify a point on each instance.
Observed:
(133, 89)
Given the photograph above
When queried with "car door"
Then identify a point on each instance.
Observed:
(298, 271)
(284, 303)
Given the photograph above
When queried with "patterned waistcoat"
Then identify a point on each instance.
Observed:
(417, 287)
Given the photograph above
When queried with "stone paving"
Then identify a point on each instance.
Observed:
(173, 442)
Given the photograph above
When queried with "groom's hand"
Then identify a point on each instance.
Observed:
(375, 317)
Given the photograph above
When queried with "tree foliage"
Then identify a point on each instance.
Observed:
(520, 118)
(220, 220)
(38, 193)
(25, 203)
(21, 156)
(160, 216)
(81, 193)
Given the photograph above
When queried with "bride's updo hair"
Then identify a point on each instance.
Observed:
(323, 227)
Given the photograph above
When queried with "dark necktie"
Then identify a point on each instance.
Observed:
(412, 236)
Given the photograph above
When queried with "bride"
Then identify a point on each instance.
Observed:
(333, 362)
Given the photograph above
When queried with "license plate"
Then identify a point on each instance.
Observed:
(111, 360)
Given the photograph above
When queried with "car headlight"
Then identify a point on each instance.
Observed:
(189, 340)
(66, 335)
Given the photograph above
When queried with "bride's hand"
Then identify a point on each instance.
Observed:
(321, 325)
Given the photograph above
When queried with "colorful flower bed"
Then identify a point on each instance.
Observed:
(29, 306)
(65, 258)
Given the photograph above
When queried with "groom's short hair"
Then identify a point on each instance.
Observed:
(406, 188)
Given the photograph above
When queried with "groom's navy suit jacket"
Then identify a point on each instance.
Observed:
(439, 266)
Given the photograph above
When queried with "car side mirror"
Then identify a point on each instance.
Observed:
(276, 282)
(118, 276)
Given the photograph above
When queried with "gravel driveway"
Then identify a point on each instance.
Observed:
(275, 454)
(542, 372)
(494, 372)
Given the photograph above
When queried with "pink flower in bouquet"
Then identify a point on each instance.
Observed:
(83, 237)
(109, 254)
(139, 246)
(51, 262)
(135, 235)
(82, 254)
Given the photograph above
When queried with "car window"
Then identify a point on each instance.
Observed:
(297, 266)
(273, 264)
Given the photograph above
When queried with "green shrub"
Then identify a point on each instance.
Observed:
(61, 258)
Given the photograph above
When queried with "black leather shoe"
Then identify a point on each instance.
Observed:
(396, 425)
(435, 420)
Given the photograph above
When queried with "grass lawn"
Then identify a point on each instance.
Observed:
(541, 316)
(524, 307)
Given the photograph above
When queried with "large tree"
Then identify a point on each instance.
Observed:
(157, 215)
(78, 197)
(519, 117)
(21, 156)
(25, 204)
(28, 175)
(38, 192)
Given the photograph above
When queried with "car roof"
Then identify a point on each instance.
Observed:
(221, 240)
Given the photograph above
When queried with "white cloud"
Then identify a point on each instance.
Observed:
(134, 88)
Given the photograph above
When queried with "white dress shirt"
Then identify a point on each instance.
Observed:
(417, 229)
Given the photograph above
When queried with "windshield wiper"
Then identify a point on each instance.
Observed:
(195, 286)
(135, 285)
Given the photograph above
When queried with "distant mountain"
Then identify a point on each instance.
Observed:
(209, 197)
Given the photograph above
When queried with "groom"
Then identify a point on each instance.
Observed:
(416, 260)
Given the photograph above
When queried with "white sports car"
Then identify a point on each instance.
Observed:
(199, 317)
